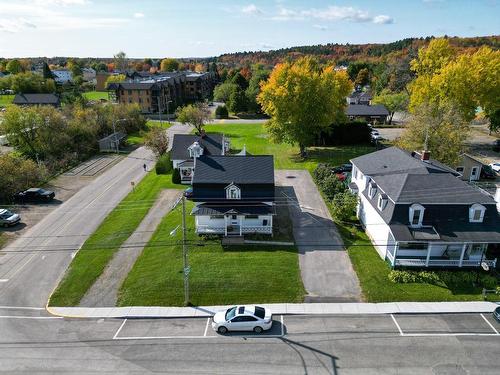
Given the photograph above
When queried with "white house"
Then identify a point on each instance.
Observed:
(418, 212)
(234, 195)
(186, 147)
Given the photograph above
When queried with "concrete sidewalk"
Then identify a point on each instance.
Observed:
(279, 309)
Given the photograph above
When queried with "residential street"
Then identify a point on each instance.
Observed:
(326, 270)
(296, 344)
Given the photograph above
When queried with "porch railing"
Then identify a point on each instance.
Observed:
(257, 229)
(247, 229)
(443, 262)
(209, 229)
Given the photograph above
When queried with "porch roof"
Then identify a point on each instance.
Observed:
(252, 209)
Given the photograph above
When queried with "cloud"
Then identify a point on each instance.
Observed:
(252, 10)
(139, 15)
(331, 13)
(14, 25)
(320, 27)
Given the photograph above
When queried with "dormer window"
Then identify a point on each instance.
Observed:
(195, 150)
(416, 214)
(233, 192)
(476, 213)
(382, 201)
(372, 189)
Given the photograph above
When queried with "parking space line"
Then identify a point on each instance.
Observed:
(29, 317)
(206, 327)
(448, 334)
(491, 325)
(282, 327)
(115, 337)
(163, 337)
(397, 325)
(20, 308)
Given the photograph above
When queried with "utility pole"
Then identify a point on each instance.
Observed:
(184, 253)
(168, 112)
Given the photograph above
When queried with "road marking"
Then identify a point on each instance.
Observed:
(19, 269)
(164, 337)
(3, 280)
(20, 308)
(282, 327)
(119, 329)
(29, 317)
(491, 325)
(206, 327)
(447, 334)
(397, 325)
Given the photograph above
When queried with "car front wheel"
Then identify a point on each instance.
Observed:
(222, 330)
(258, 329)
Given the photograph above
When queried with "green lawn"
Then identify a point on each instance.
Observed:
(96, 95)
(137, 138)
(99, 248)
(255, 138)
(237, 274)
(3, 240)
(373, 273)
(6, 100)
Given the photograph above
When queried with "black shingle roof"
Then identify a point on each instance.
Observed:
(234, 169)
(366, 110)
(23, 99)
(212, 145)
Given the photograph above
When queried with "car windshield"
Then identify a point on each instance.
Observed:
(260, 312)
(230, 313)
(6, 214)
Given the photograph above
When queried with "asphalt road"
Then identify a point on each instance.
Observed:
(341, 344)
(31, 266)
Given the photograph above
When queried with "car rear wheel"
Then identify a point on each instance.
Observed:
(222, 330)
(258, 329)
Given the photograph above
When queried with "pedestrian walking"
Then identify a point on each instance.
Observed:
(145, 167)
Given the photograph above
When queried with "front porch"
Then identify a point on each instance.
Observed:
(407, 254)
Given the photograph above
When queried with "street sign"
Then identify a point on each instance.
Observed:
(485, 266)
(187, 270)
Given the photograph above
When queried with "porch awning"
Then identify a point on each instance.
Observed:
(447, 232)
(211, 209)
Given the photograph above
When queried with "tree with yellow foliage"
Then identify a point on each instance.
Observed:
(303, 98)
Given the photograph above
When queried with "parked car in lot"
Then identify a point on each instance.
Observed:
(8, 218)
(496, 314)
(243, 318)
(495, 166)
(34, 195)
(496, 145)
(488, 173)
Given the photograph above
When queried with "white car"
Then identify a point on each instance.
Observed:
(243, 318)
(8, 218)
(495, 166)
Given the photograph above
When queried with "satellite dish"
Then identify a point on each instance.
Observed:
(485, 266)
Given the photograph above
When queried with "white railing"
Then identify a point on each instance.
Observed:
(442, 262)
(257, 229)
(209, 229)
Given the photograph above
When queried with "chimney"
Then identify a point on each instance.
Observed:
(426, 155)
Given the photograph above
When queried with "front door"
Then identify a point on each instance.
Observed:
(234, 220)
(474, 173)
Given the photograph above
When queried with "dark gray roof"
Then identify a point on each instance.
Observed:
(131, 85)
(366, 110)
(234, 208)
(361, 94)
(211, 143)
(36, 99)
(234, 169)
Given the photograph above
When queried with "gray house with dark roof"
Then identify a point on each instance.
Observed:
(186, 147)
(368, 113)
(37, 99)
(418, 212)
(234, 195)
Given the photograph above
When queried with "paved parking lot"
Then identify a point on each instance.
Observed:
(390, 325)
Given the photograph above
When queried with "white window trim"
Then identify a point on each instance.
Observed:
(473, 209)
(381, 203)
(233, 188)
(416, 207)
(372, 190)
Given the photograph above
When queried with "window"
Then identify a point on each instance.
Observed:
(216, 216)
(372, 189)
(251, 216)
(130, 92)
(265, 222)
(233, 192)
(382, 201)
(416, 215)
(460, 169)
(476, 213)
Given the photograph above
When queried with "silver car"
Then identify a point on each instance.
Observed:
(8, 218)
(243, 318)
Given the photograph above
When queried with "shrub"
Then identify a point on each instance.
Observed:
(221, 112)
(176, 176)
(448, 279)
(331, 186)
(321, 172)
(343, 205)
(164, 165)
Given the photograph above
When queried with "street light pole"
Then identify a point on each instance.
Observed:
(168, 112)
(184, 253)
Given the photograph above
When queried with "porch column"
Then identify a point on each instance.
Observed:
(241, 223)
(225, 225)
(428, 255)
(464, 248)
(396, 247)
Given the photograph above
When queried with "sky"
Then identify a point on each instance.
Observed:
(192, 28)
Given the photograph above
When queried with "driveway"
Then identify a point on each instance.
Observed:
(325, 267)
